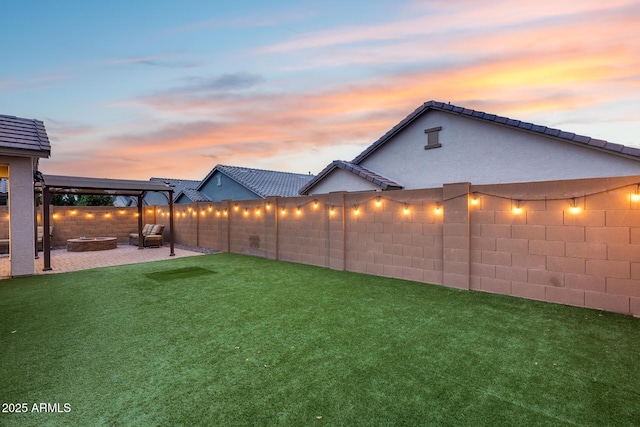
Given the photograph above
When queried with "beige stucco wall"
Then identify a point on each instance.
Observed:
(482, 153)
(21, 213)
(339, 180)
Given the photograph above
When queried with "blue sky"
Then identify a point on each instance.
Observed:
(142, 89)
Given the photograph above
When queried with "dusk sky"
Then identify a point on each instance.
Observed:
(140, 89)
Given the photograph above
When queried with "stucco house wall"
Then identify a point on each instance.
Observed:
(486, 153)
(21, 213)
(340, 178)
(471, 146)
(221, 187)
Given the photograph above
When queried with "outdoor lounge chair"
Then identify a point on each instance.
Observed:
(40, 236)
(151, 235)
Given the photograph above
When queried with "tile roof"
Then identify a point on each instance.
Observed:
(24, 135)
(264, 183)
(505, 121)
(384, 183)
(194, 195)
(179, 185)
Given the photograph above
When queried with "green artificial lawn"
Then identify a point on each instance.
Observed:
(234, 340)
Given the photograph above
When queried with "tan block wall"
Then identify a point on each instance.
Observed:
(544, 252)
(70, 222)
(462, 235)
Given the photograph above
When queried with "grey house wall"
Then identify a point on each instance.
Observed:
(480, 152)
(153, 198)
(221, 187)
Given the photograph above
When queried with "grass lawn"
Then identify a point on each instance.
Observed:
(233, 340)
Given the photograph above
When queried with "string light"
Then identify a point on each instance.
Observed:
(516, 209)
(283, 211)
(268, 206)
(406, 209)
(635, 196)
(438, 208)
(574, 209)
(315, 204)
(475, 201)
(356, 210)
(378, 201)
(246, 212)
(332, 211)
(298, 211)
(257, 211)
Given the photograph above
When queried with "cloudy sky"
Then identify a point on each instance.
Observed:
(135, 89)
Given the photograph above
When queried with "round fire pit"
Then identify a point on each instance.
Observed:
(84, 244)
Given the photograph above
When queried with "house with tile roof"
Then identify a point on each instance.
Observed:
(154, 198)
(442, 143)
(23, 142)
(240, 183)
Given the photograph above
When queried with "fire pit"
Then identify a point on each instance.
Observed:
(83, 244)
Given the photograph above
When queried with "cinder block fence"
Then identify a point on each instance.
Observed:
(573, 242)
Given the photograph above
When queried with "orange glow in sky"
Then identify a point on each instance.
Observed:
(292, 86)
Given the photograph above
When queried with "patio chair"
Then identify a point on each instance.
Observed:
(40, 236)
(151, 235)
(154, 237)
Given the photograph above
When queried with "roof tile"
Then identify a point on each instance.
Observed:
(24, 134)
(265, 182)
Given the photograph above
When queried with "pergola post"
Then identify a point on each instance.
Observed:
(172, 233)
(140, 211)
(35, 224)
(46, 237)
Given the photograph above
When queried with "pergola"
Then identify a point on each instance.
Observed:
(57, 184)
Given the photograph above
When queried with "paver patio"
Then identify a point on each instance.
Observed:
(63, 261)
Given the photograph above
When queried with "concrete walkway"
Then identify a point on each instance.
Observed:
(63, 261)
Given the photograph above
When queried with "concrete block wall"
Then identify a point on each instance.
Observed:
(573, 242)
(70, 222)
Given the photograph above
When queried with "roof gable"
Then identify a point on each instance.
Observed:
(557, 134)
(178, 185)
(192, 195)
(263, 183)
(359, 171)
(24, 137)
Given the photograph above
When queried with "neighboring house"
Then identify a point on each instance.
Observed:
(239, 183)
(441, 143)
(155, 198)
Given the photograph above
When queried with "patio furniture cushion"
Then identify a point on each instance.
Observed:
(151, 233)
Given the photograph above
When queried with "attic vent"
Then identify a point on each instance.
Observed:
(432, 138)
